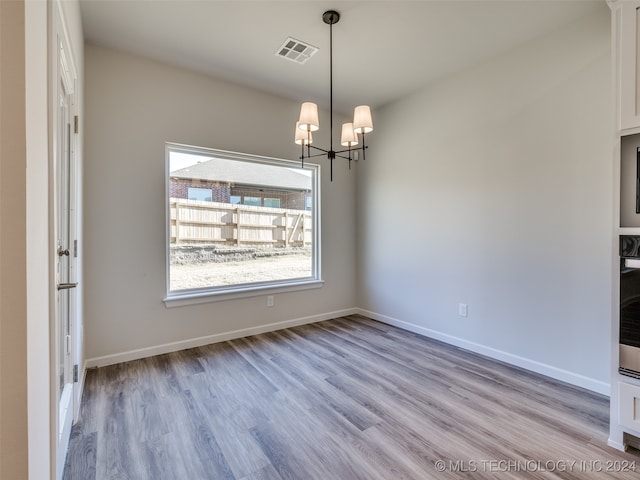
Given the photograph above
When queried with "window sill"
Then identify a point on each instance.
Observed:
(194, 298)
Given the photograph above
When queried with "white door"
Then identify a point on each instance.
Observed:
(64, 221)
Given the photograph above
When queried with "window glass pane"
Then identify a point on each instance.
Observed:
(224, 247)
(255, 201)
(203, 194)
(272, 202)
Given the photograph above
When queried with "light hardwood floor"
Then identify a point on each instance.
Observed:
(344, 399)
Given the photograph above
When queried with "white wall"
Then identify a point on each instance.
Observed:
(493, 188)
(133, 107)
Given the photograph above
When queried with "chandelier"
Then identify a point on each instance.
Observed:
(308, 121)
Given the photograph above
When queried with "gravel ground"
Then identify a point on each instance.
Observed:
(249, 271)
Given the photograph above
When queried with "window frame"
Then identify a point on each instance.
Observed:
(228, 292)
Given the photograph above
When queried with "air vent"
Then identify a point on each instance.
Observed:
(296, 51)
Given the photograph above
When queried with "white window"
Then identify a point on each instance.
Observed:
(240, 245)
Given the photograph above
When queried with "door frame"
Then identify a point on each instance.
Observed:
(61, 66)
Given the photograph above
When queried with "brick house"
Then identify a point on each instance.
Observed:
(237, 182)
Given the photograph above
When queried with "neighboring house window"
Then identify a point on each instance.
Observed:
(254, 201)
(202, 194)
(272, 202)
(264, 236)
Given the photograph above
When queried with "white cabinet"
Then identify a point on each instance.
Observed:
(624, 425)
(627, 22)
(629, 401)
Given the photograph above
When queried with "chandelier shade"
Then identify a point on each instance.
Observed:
(309, 117)
(302, 137)
(349, 138)
(308, 121)
(362, 122)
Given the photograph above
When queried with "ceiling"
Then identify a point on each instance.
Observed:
(383, 50)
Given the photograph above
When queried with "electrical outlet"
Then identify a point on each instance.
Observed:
(462, 309)
(269, 300)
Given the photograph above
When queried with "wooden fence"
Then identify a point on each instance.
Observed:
(211, 222)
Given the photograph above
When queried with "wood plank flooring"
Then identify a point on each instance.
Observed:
(344, 399)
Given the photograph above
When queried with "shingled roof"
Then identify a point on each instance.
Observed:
(246, 173)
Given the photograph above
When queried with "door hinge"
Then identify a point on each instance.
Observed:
(75, 248)
(75, 124)
(75, 374)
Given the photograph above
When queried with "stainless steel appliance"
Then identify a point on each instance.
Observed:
(630, 305)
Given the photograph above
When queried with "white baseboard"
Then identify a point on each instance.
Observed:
(220, 337)
(528, 364)
(616, 445)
